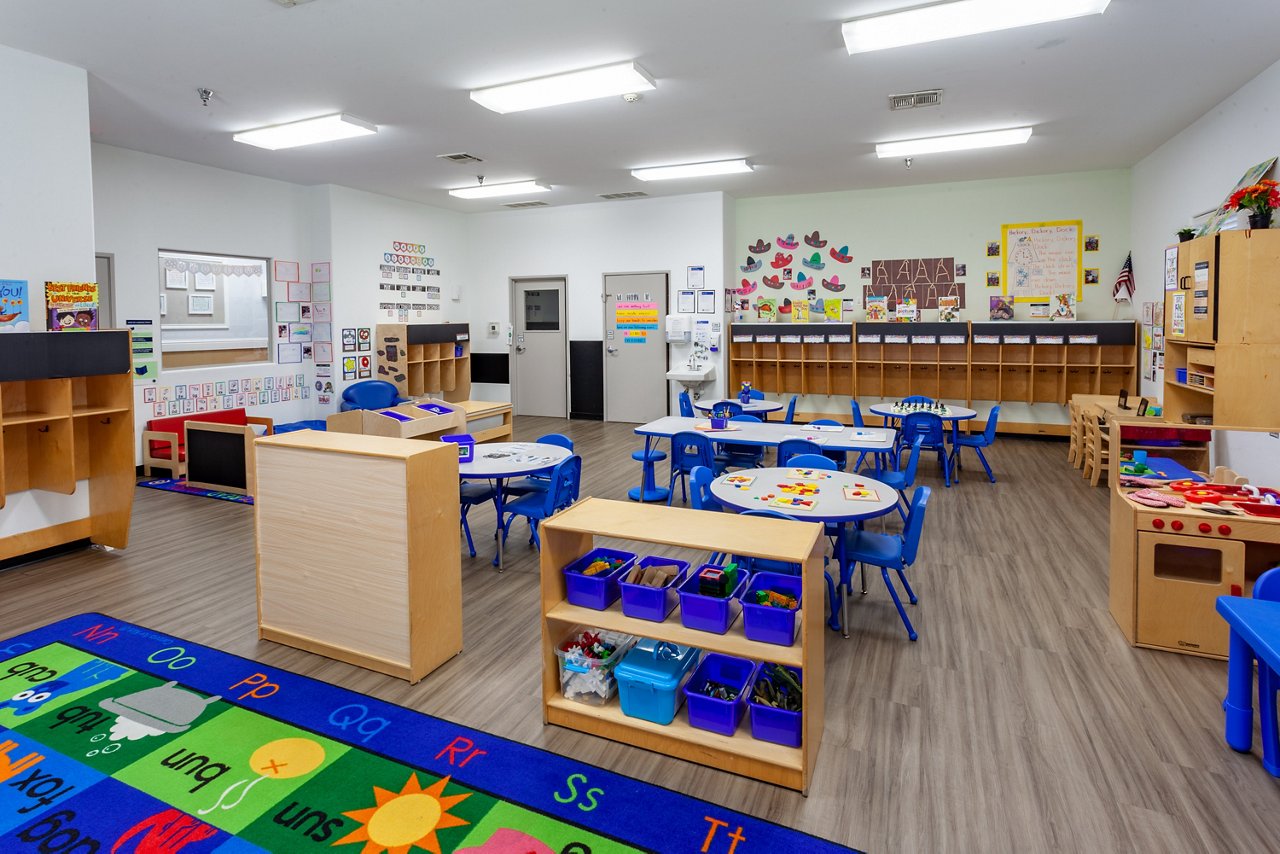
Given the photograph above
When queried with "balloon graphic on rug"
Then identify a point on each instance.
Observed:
(152, 711)
(281, 759)
(406, 819)
(79, 678)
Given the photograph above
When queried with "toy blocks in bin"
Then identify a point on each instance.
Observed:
(717, 693)
(591, 581)
(466, 445)
(649, 587)
(650, 679)
(770, 607)
(587, 661)
(775, 704)
(710, 613)
(422, 419)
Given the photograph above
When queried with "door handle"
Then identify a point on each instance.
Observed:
(611, 350)
(519, 348)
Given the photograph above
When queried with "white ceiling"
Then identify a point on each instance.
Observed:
(760, 79)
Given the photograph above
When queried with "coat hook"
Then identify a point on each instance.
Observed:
(44, 429)
(106, 420)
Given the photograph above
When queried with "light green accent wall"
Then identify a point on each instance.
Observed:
(944, 220)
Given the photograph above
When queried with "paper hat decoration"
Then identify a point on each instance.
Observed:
(770, 282)
(788, 242)
(747, 287)
(833, 284)
(780, 260)
(814, 261)
(814, 240)
(751, 266)
(759, 247)
(802, 283)
(785, 308)
(842, 254)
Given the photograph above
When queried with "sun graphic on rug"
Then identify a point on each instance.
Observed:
(405, 819)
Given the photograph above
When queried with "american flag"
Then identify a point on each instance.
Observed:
(1123, 291)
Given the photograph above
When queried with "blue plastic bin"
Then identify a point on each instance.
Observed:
(710, 613)
(776, 725)
(765, 623)
(1181, 374)
(597, 592)
(466, 445)
(650, 679)
(711, 713)
(652, 603)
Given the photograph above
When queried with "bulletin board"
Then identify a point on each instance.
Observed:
(1041, 259)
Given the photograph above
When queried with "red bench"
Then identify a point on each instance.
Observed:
(164, 434)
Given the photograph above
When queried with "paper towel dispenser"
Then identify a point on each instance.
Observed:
(679, 328)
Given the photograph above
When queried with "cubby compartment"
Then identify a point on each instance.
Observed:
(35, 400)
(792, 376)
(448, 374)
(415, 353)
(1080, 380)
(1116, 354)
(953, 353)
(1046, 384)
(1015, 354)
(1015, 383)
(108, 393)
(924, 380)
(840, 378)
(869, 379)
(984, 382)
(1082, 354)
(897, 381)
(984, 354)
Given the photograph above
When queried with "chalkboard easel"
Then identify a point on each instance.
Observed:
(220, 457)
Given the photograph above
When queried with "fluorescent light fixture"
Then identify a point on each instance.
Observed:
(960, 18)
(489, 191)
(692, 170)
(307, 131)
(958, 142)
(586, 85)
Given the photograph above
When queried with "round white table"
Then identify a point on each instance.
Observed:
(949, 412)
(755, 407)
(498, 461)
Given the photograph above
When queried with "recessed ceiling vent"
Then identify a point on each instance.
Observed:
(289, 4)
(633, 194)
(524, 204)
(911, 100)
(460, 157)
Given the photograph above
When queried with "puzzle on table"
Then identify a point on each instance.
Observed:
(860, 493)
(740, 481)
(793, 502)
(116, 738)
(799, 488)
(809, 474)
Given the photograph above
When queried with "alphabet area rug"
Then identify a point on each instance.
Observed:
(180, 485)
(117, 738)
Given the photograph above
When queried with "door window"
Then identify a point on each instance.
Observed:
(542, 311)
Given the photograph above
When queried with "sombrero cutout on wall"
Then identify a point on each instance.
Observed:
(747, 287)
(814, 262)
(802, 283)
(842, 254)
(833, 284)
(771, 282)
(788, 242)
(780, 260)
(751, 266)
(759, 247)
(785, 308)
(814, 240)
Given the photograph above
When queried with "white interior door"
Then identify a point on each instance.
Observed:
(635, 349)
(106, 291)
(539, 360)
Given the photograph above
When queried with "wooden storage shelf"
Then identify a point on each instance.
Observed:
(426, 359)
(573, 532)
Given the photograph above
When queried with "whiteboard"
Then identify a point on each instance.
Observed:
(1042, 259)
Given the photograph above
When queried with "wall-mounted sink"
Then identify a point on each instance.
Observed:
(693, 373)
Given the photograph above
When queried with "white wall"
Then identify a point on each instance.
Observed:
(583, 243)
(46, 217)
(945, 220)
(1191, 173)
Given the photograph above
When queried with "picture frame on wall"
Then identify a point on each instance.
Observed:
(199, 305)
(286, 271)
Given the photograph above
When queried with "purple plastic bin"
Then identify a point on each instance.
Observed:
(710, 713)
(710, 613)
(765, 623)
(776, 725)
(597, 592)
(653, 603)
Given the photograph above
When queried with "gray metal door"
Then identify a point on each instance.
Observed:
(106, 290)
(635, 349)
(538, 353)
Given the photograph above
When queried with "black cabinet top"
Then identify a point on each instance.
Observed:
(49, 355)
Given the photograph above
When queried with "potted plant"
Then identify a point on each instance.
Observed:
(1185, 234)
(1259, 199)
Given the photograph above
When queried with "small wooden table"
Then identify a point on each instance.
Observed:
(480, 410)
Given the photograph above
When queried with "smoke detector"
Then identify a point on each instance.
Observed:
(911, 100)
(631, 97)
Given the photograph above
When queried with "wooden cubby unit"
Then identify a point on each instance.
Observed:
(426, 359)
(66, 417)
(1228, 342)
(573, 532)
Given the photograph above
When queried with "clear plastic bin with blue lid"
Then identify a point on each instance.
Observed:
(650, 678)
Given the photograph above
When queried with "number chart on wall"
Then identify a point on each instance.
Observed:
(1042, 259)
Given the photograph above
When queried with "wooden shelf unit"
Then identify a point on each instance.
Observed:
(1024, 369)
(573, 533)
(1229, 343)
(426, 359)
(66, 415)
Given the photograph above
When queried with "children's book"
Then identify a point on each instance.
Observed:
(766, 309)
(1062, 307)
(800, 311)
(860, 493)
(831, 308)
(877, 309)
(1002, 308)
(908, 311)
(948, 309)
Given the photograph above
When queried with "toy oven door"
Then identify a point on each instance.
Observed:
(1179, 579)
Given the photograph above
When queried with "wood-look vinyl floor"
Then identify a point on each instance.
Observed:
(1020, 721)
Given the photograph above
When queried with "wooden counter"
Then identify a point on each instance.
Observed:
(350, 563)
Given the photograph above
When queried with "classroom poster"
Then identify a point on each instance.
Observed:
(877, 308)
(72, 306)
(146, 367)
(14, 309)
(1041, 259)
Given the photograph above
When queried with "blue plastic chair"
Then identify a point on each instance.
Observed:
(929, 428)
(740, 456)
(700, 490)
(689, 449)
(790, 417)
(859, 424)
(755, 394)
(985, 439)
(726, 409)
(370, 394)
(788, 449)
(759, 564)
(686, 405)
(902, 478)
(1268, 587)
(887, 551)
(471, 493)
(811, 461)
(566, 479)
(840, 458)
(537, 482)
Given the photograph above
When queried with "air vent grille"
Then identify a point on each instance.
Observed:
(633, 194)
(524, 204)
(911, 100)
(460, 157)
